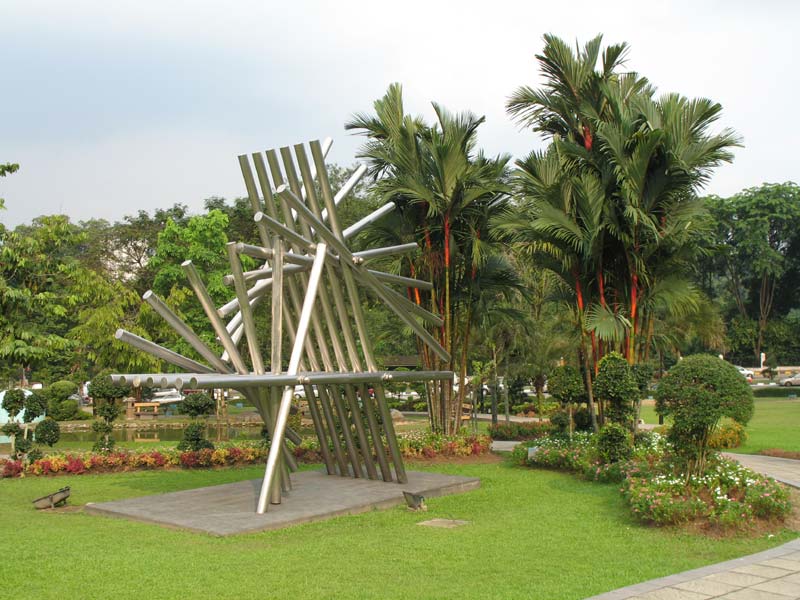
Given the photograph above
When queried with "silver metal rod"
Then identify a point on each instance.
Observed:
(217, 380)
(294, 362)
(358, 314)
(261, 274)
(252, 194)
(373, 253)
(401, 301)
(316, 420)
(160, 352)
(400, 280)
(280, 229)
(358, 423)
(347, 188)
(375, 433)
(344, 428)
(347, 258)
(371, 218)
(254, 292)
(244, 305)
(330, 423)
(186, 332)
(216, 323)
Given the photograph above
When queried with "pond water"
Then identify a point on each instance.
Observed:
(214, 432)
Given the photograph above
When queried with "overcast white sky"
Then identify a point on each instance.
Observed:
(112, 107)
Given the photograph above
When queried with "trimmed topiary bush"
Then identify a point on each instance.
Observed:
(616, 386)
(47, 432)
(198, 404)
(698, 392)
(566, 385)
(194, 438)
(614, 443)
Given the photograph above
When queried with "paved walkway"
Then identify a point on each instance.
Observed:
(770, 575)
(784, 470)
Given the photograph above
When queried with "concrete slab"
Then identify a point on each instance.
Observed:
(230, 508)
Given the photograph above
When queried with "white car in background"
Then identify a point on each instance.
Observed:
(746, 373)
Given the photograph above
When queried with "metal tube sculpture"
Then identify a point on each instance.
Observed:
(315, 285)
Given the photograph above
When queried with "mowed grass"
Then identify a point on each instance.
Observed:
(775, 424)
(531, 534)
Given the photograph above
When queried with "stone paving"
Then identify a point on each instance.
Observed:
(784, 470)
(770, 575)
(230, 508)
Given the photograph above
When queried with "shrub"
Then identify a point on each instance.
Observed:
(698, 392)
(101, 388)
(47, 432)
(616, 387)
(197, 404)
(194, 438)
(614, 443)
(729, 435)
(582, 419)
(536, 408)
(566, 385)
(13, 402)
(59, 406)
(560, 421)
(519, 431)
(35, 406)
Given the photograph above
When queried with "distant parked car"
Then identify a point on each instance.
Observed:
(791, 381)
(746, 373)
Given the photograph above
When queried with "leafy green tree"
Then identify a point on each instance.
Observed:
(698, 392)
(7, 169)
(38, 280)
(758, 232)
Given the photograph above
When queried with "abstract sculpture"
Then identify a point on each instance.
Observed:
(315, 283)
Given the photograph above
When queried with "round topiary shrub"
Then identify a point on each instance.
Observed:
(614, 443)
(194, 438)
(197, 404)
(13, 402)
(616, 386)
(698, 392)
(566, 385)
(47, 432)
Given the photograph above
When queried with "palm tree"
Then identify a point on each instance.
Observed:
(446, 191)
(611, 206)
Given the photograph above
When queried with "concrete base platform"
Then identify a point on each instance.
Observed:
(230, 508)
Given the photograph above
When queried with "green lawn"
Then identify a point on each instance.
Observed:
(532, 534)
(775, 424)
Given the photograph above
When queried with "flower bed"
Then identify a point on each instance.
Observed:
(424, 444)
(727, 494)
(412, 445)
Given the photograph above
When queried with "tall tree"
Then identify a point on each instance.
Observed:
(758, 231)
(611, 205)
(445, 191)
